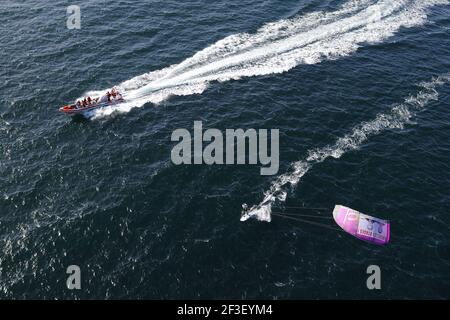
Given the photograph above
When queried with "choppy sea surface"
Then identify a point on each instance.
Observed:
(359, 89)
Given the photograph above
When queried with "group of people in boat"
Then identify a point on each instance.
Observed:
(86, 102)
(108, 97)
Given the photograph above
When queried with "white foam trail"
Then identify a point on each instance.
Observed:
(398, 116)
(278, 47)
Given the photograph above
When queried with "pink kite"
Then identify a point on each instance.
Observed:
(362, 226)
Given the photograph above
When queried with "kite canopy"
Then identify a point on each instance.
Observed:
(362, 226)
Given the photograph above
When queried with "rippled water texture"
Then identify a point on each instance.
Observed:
(359, 89)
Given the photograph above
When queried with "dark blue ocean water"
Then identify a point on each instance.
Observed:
(104, 195)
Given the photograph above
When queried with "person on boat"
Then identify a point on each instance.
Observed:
(89, 100)
(108, 95)
(78, 104)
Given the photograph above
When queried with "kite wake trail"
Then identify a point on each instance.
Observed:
(276, 48)
(396, 118)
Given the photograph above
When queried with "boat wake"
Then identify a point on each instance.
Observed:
(396, 118)
(275, 48)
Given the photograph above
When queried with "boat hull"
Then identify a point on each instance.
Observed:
(73, 111)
